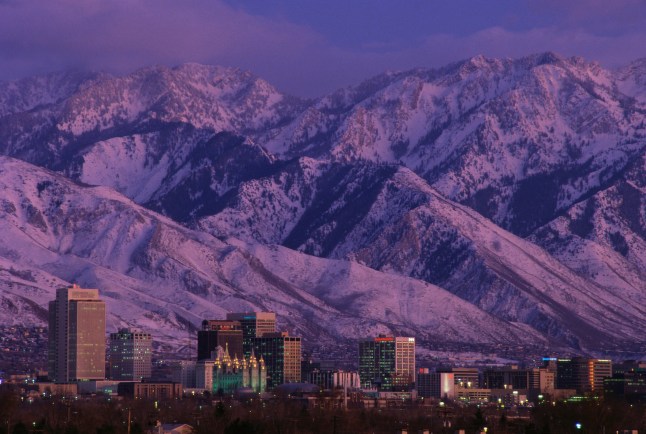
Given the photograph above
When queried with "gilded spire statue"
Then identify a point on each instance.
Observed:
(227, 358)
(236, 362)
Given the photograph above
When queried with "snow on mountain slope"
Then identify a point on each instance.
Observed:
(206, 97)
(488, 133)
(391, 220)
(632, 81)
(137, 165)
(213, 98)
(36, 92)
(160, 276)
(351, 288)
(533, 144)
(604, 237)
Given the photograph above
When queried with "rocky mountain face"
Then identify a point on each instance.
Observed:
(604, 236)
(389, 219)
(161, 276)
(54, 131)
(488, 133)
(515, 188)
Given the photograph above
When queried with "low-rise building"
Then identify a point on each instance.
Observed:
(152, 390)
(439, 385)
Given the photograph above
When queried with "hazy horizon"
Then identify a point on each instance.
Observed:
(309, 49)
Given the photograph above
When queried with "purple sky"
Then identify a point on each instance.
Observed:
(309, 47)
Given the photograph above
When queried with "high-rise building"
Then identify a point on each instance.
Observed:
(404, 363)
(628, 382)
(387, 363)
(582, 374)
(219, 333)
(76, 335)
(464, 377)
(130, 355)
(282, 356)
(254, 325)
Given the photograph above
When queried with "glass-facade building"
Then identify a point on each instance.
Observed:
(282, 356)
(582, 374)
(387, 363)
(253, 325)
(130, 355)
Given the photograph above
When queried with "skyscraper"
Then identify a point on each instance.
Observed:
(282, 356)
(254, 325)
(387, 363)
(130, 355)
(219, 333)
(76, 335)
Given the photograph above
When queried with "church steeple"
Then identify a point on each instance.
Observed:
(226, 360)
(236, 362)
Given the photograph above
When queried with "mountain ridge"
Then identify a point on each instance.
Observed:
(464, 177)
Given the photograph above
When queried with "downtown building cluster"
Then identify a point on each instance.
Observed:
(511, 385)
(244, 353)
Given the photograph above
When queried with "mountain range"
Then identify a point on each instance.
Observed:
(489, 205)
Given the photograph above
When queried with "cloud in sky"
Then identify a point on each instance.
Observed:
(297, 54)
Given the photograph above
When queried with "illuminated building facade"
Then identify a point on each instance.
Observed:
(76, 335)
(130, 355)
(219, 333)
(282, 356)
(254, 325)
(387, 363)
(435, 384)
(231, 374)
(582, 374)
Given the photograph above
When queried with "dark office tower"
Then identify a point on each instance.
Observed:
(76, 335)
(435, 384)
(130, 355)
(583, 375)
(282, 356)
(387, 363)
(219, 333)
(254, 325)
(507, 378)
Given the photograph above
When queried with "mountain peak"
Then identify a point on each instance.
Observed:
(545, 58)
(436, 175)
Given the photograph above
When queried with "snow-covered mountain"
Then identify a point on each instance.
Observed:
(158, 275)
(515, 185)
(604, 236)
(518, 140)
(80, 111)
(388, 218)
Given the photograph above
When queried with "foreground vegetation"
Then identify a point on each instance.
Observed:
(20, 415)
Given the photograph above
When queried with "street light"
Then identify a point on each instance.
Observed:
(578, 425)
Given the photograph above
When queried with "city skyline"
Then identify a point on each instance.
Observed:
(456, 206)
(297, 216)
